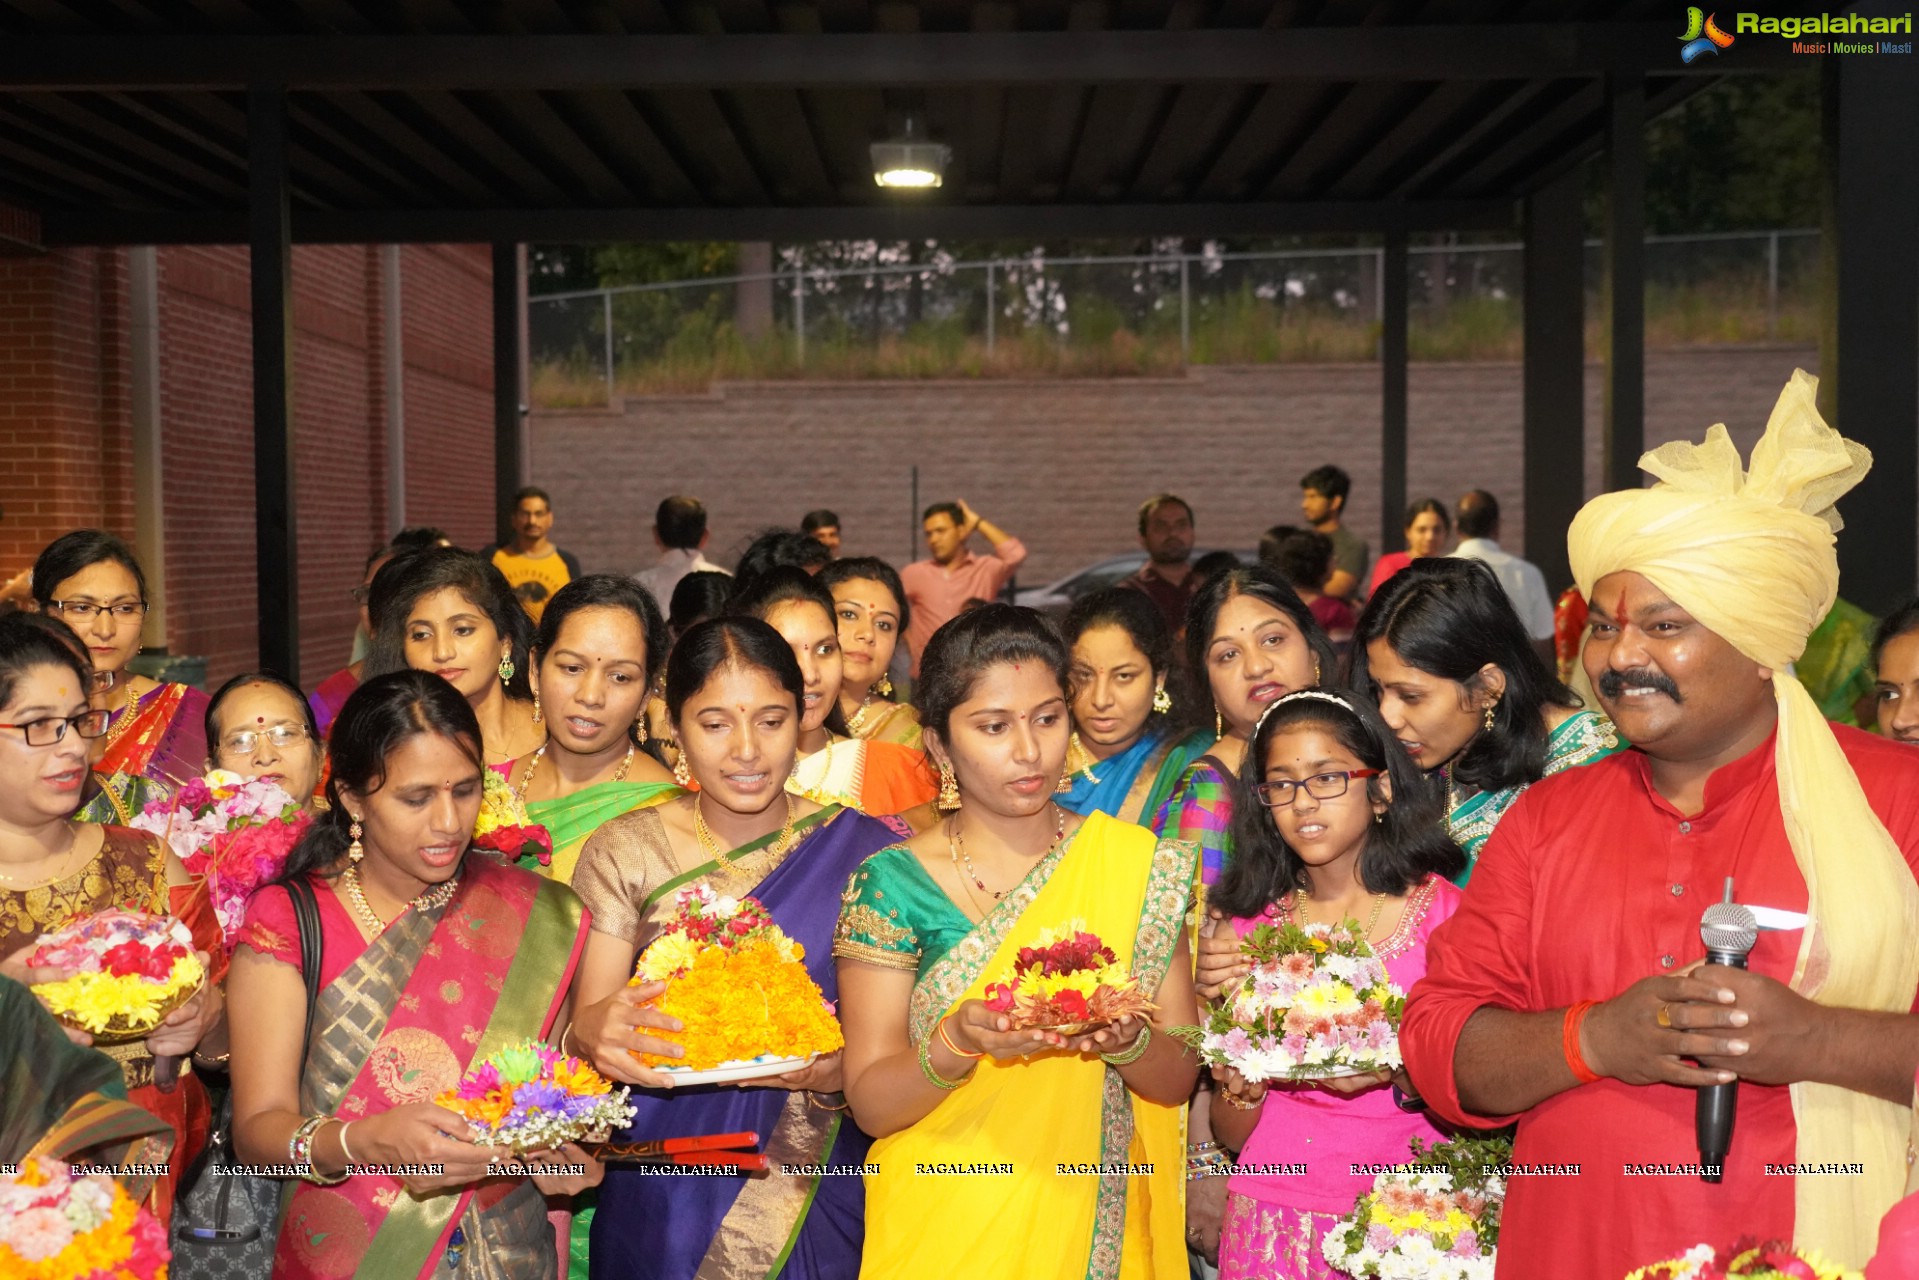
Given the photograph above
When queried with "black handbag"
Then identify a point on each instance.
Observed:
(226, 1223)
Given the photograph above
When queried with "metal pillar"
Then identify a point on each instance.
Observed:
(509, 417)
(1872, 287)
(1553, 374)
(275, 493)
(1394, 305)
(1625, 281)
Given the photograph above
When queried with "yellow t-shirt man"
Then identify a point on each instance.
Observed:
(535, 579)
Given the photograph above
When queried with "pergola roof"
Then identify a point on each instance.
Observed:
(504, 120)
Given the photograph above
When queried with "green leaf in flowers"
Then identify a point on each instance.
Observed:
(517, 1064)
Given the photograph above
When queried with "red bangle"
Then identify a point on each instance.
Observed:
(1569, 1041)
(948, 1041)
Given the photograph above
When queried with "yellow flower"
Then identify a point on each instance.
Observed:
(673, 953)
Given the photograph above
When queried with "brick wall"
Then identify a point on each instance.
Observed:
(1064, 464)
(65, 434)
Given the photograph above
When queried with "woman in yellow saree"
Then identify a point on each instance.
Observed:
(1050, 1156)
(601, 642)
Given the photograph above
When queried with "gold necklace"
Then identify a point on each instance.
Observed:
(956, 849)
(711, 846)
(356, 895)
(1303, 895)
(856, 723)
(61, 867)
(519, 792)
(125, 721)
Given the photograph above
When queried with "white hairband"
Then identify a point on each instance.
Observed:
(1283, 699)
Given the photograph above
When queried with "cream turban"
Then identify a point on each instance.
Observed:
(1749, 552)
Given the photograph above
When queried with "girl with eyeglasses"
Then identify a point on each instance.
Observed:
(1333, 823)
(155, 734)
(55, 869)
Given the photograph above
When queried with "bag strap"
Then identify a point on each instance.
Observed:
(306, 915)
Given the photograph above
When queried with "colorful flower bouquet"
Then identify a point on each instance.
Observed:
(503, 826)
(129, 971)
(1068, 981)
(59, 1225)
(232, 831)
(531, 1097)
(1435, 1219)
(1749, 1259)
(737, 984)
(1316, 1005)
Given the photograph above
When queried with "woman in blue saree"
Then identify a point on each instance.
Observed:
(734, 692)
(1131, 748)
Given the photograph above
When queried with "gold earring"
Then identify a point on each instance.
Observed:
(1379, 816)
(1315, 669)
(1489, 716)
(1064, 785)
(356, 850)
(682, 774)
(538, 716)
(506, 668)
(1219, 724)
(639, 728)
(1162, 700)
(885, 686)
(949, 797)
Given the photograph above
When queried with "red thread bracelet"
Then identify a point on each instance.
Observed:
(948, 1041)
(1569, 1041)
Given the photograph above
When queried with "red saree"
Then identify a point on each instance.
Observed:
(162, 737)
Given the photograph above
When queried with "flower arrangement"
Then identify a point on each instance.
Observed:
(737, 984)
(531, 1097)
(1748, 1259)
(56, 1224)
(503, 826)
(1316, 1004)
(1067, 981)
(1434, 1219)
(232, 831)
(129, 971)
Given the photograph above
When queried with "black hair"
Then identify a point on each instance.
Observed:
(871, 569)
(962, 650)
(1262, 583)
(1158, 500)
(247, 679)
(730, 641)
(1329, 481)
(1134, 613)
(951, 510)
(30, 640)
(70, 553)
(779, 548)
(605, 591)
(680, 521)
(1478, 515)
(813, 521)
(759, 595)
(531, 491)
(419, 537)
(379, 717)
(1304, 557)
(1214, 563)
(697, 597)
(1449, 617)
(1434, 505)
(403, 580)
(1407, 844)
(1901, 621)
(1271, 540)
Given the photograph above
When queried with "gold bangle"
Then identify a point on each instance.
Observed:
(1239, 1103)
(813, 1099)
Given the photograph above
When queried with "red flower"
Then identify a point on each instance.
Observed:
(999, 997)
(1072, 1006)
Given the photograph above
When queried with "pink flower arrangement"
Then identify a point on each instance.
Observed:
(234, 832)
(1747, 1259)
(1436, 1218)
(56, 1223)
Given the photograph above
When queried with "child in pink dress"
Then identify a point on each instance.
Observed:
(1332, 822)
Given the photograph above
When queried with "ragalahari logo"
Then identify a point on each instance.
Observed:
(1702, 37)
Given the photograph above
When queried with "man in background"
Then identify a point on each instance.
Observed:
(533, 566)
(679, 530)
(1322, 500)
(1167, 577)
(938, 588)
(1477, 518)
(823, 527)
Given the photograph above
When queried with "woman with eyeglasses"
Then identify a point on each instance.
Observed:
(55, 869)
(91, 581)
(262, 727)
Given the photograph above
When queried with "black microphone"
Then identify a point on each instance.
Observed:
(1728, 930)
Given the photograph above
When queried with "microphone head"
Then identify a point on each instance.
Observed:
(1728, 926)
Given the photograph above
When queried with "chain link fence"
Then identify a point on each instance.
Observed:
(918, 312)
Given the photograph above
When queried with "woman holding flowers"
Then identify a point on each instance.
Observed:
(941, 1069)
(260, 726)
(736, 696)
(1122, 709)
(871, 607)
(1334, 825)
(56, 870)
(431, 958)
(601, 642)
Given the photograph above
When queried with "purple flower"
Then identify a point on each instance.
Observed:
(1380, 1238)
(1466, 1244)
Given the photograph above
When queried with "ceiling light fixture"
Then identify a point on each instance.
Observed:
(909, 161)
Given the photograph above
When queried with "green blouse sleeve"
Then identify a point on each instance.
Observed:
(871, 928)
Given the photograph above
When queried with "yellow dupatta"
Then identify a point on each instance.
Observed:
(1023, 1136)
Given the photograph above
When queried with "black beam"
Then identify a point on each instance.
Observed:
(275, 495)
(509, 421)
(1624, 289)
(1554, 373)
(1873, 286)
(94, 225)
(1473, 51)
(1394, 306)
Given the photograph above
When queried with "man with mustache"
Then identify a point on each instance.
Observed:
(1566, 994)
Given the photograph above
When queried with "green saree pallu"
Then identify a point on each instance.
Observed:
(571, 819)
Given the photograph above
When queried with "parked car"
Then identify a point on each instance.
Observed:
(1055, 598)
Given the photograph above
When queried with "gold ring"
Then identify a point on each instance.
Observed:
(1664, 1016)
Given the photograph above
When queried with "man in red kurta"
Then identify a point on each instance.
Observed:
(1563, 994)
